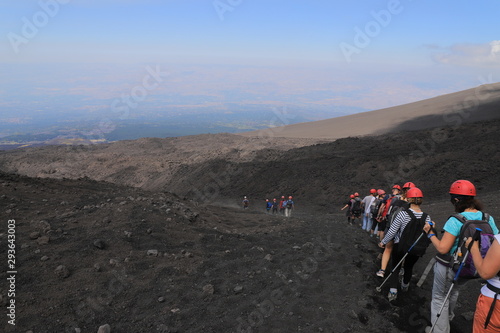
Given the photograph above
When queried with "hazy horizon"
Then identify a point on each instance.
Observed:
(117, 61)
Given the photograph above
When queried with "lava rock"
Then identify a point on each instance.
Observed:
(62, 271)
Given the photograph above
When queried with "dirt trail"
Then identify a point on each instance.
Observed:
(152, 262)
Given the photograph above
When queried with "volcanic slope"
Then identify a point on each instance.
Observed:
(323, 175)
(149, 163)
(92, 253)
(471, 105)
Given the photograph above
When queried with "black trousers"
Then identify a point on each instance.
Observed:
(410, 261)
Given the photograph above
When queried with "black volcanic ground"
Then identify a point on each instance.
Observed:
(142, 259)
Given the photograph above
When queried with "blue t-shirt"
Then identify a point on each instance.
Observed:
(453, 226)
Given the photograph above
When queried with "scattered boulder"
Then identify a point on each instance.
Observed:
(44, 240)
(62, 271)
(99, 243)
(469, 316)
(152, 253)
(35, 235)
(208, 289)
(238, 289)
(104, 329)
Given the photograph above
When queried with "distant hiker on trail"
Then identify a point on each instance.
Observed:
(282, 205)
(462, 193)
(409, 240)
(275, 205)
(245, 203)
(347, 205)
(356, 209)
(289, 207)
(487, 314)
(398, 203)
(268, 206)
(366, 204)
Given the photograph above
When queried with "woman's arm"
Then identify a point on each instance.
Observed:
(490, 265)
(394, 228)
(444, 245)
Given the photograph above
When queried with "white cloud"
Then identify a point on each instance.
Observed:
(467, 54)
(495, 49)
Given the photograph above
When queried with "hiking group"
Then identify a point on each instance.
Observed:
(468, 248)
(275, 207)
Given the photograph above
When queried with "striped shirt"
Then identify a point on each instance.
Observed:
(399, 224)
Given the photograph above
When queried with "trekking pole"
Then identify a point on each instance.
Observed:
(379, 288)
(455, 278)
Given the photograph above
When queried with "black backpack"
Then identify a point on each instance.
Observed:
(356, 206)
(410, 234)
(375, 206)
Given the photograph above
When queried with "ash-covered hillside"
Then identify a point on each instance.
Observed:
(325, 174)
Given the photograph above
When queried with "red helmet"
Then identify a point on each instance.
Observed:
(356, 194)
(352, 196)
(274, 199)
(409, 185)
(414, 192)
(397, 187)
(380, 192)
(372, 191)
(289, 197)
(267, 199)
(463, 187)
(282, 197)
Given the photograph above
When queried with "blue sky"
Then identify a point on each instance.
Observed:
(369, 54)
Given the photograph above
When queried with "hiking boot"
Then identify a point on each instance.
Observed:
(381, 273)
(428, 329)
(404, 287)
(392, 296)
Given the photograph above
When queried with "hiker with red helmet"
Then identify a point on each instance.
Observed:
(282, 205)
(269, 205)
(444, 296)
(400, 233)
(398, 203)
(356, 208)
(347, 205)
(375, 209)
(384, 209)
(366, 204)
(289, 207)
(275, 206)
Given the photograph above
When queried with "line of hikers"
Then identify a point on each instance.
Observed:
(469, 248)
(283, 207)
